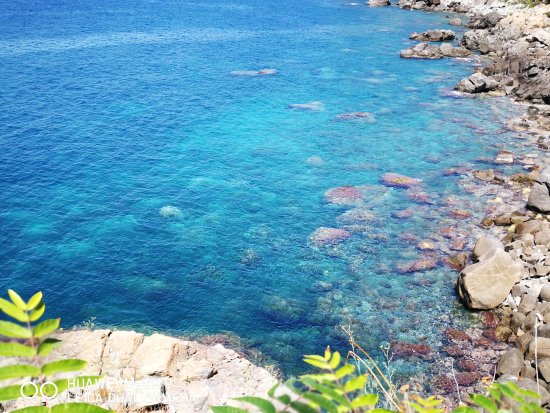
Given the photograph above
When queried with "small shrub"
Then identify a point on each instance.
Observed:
(339, 388)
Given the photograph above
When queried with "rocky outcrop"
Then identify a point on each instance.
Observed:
(143, 373)
(438, 35)
(486, 284)
(430, 51)
(518, 44)
(378, 3)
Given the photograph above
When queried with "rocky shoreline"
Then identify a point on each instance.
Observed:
(509, 268)
(155, 373)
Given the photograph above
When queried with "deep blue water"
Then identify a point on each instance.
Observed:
(111, 110)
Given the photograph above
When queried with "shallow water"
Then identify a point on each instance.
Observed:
(113, 110)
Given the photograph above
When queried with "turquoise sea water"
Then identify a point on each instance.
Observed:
(112, 110)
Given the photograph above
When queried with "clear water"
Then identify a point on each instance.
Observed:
(113, 109)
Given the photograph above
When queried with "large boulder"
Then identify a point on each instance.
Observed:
(486, 284)
(438, 35)
(477, 83)
(539, 197)
(511, 362)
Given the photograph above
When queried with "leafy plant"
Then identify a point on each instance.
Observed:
(341, 388)
(28, 339)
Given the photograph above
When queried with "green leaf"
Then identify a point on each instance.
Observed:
(18, 371)
(264, 405)
(302, 408)
(225, 409)
(17, 300)
(271, 392)
(331, 392)
(355, 384)
(16, 350)
(321, 401)
(335, 361)
(33, 409)
(78, 408)
(14, 392)
(317, 363)
(37, 312)
(366, 400)
(345, 370)
(284, 398)
(484, 402)
(494, 392)
(47, 346)
(9, 329)
(63, 366)
(13, 311)
(34, 301)
(465, 409)
(327, 353)
(46, 327)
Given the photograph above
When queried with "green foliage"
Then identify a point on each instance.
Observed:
(30, 342)
(338, 388)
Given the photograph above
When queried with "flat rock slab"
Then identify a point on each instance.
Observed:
(151, 372)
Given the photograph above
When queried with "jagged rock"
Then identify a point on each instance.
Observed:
(511, 362)
(438, 35)
(484, 21)
(539, 197)
(527, 304)
(486, 284)
(477, 83)
(486, 246)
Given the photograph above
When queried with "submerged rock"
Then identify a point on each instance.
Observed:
(344, 195)
(421, 264)
(261, 72)
(362, 116)
(312, 106)
(170, 211)
(357, 215)
(399, 181)
(485, 285)
(328, 236)
(402, 349)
